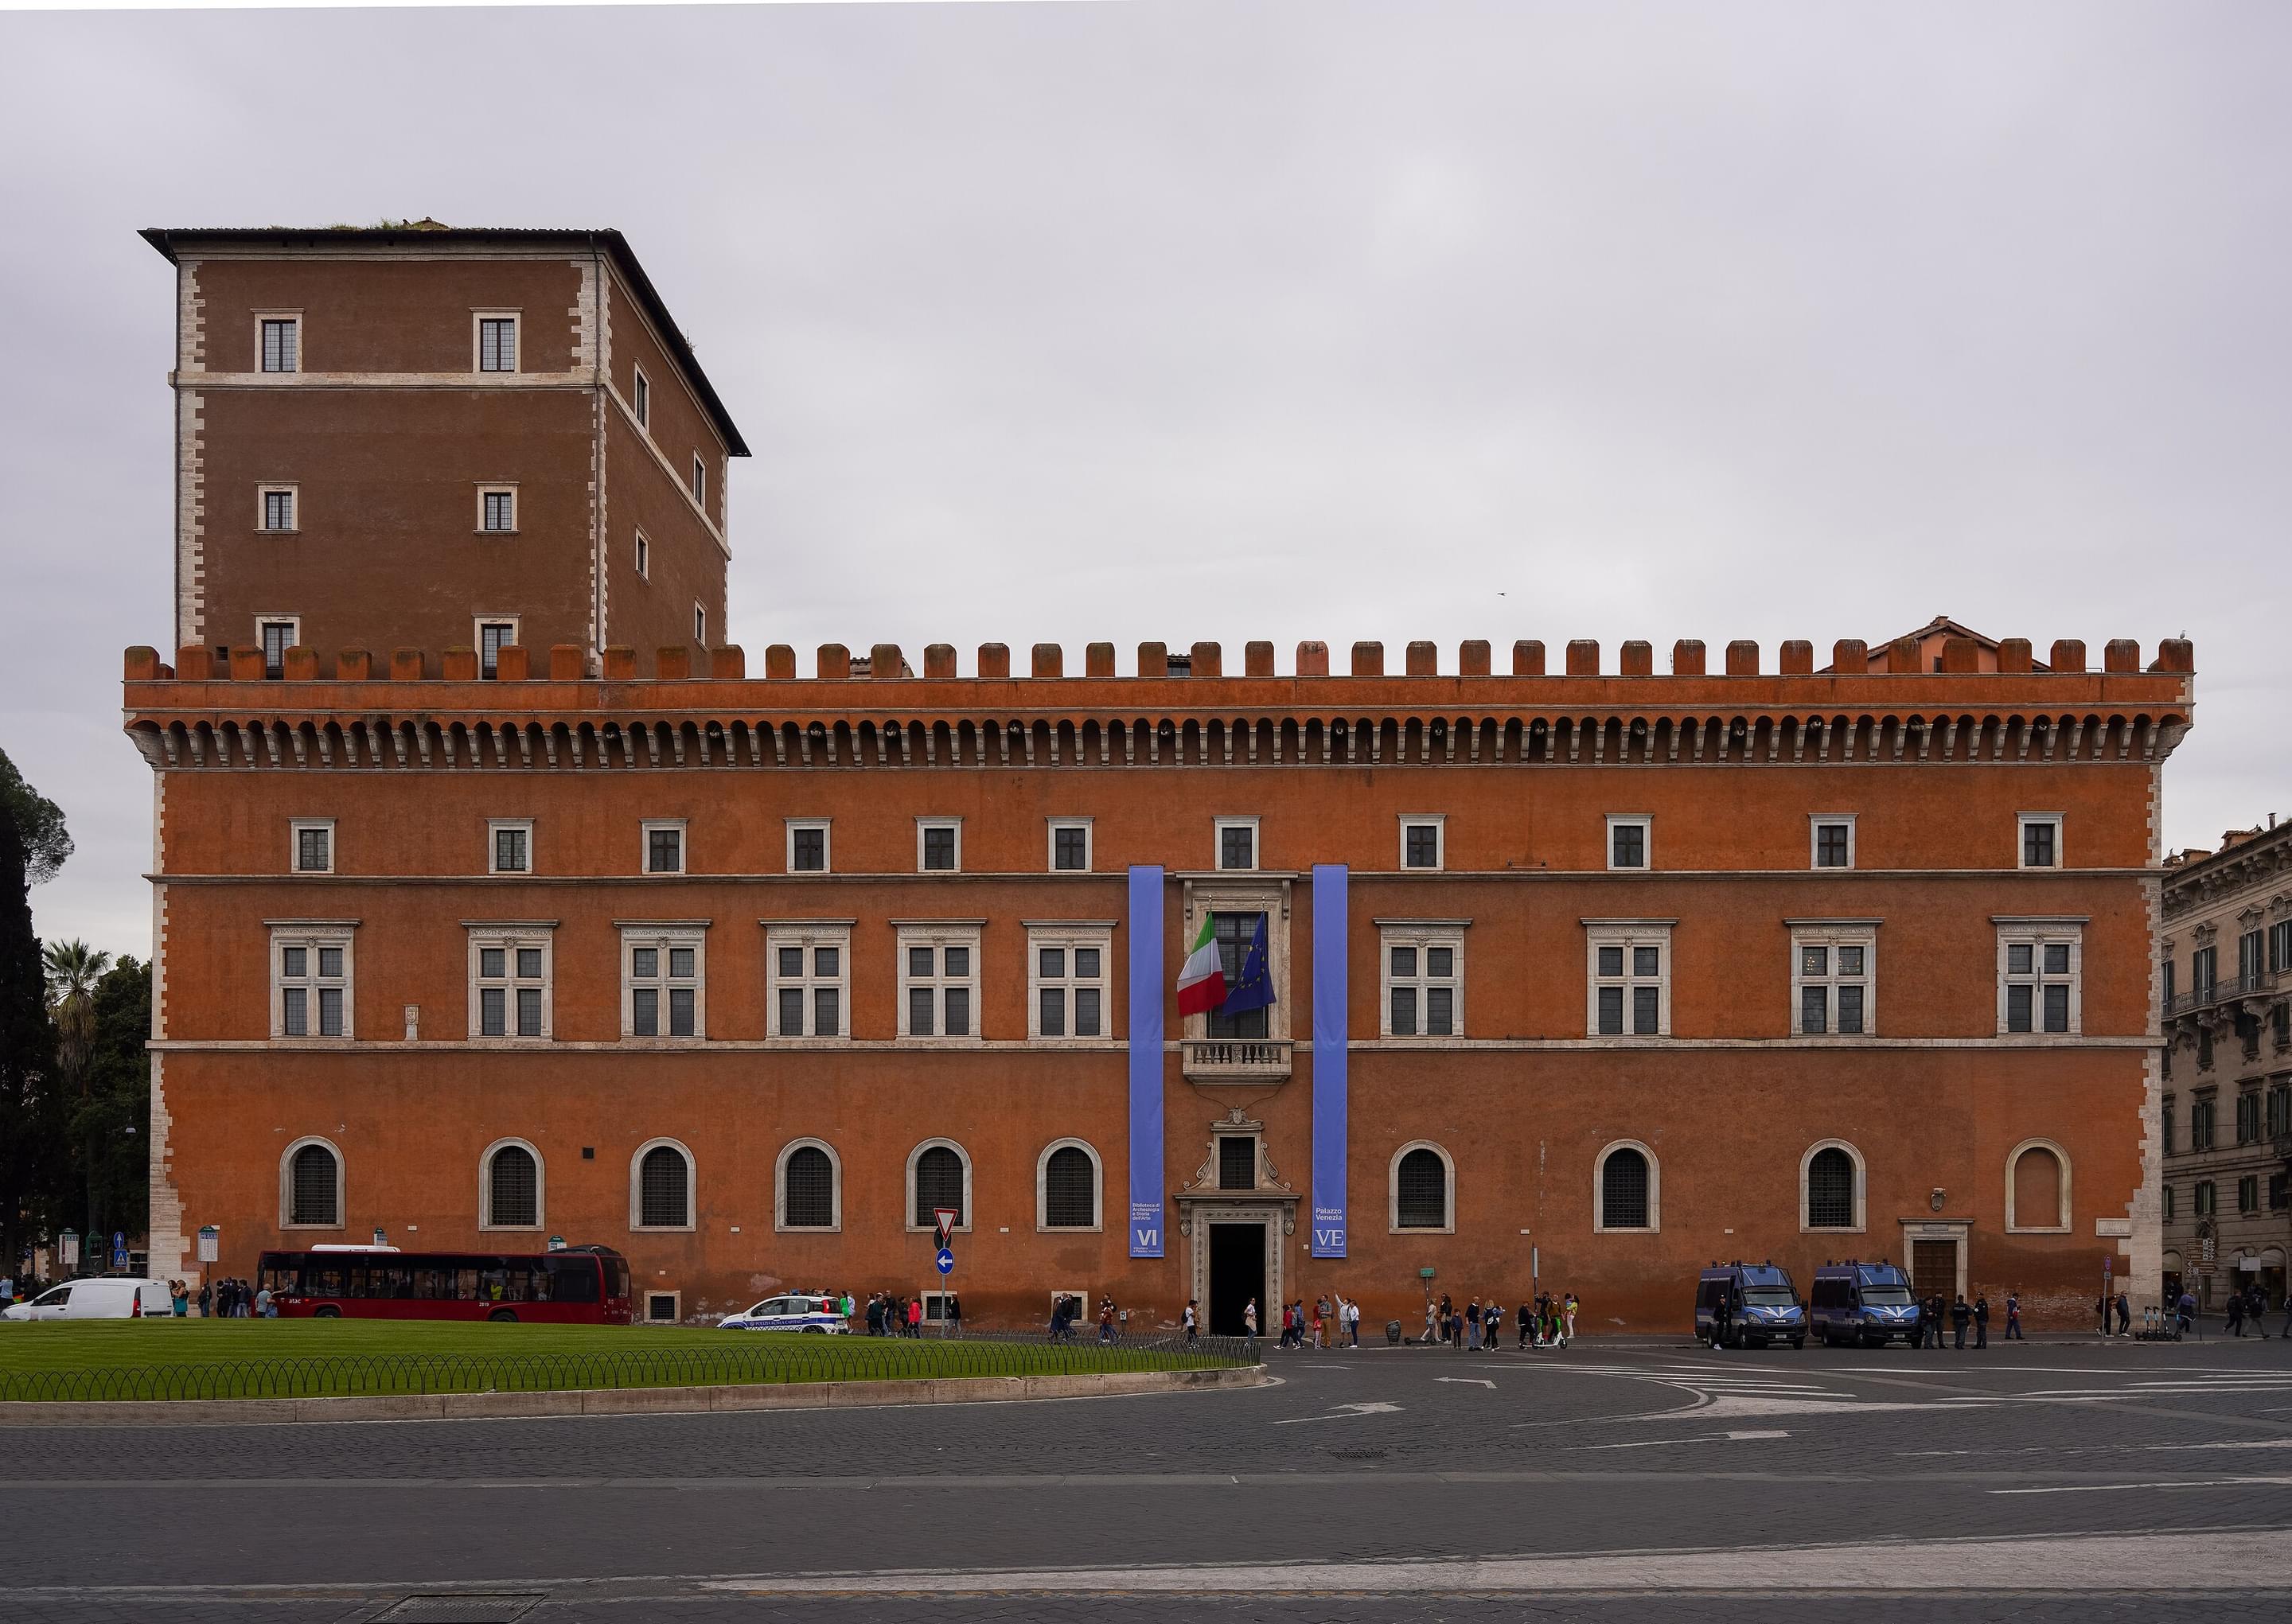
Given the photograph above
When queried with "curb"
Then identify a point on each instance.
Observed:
(622, 1400)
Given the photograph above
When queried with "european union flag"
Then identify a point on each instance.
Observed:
(1252, 989)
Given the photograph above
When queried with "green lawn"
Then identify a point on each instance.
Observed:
(166, 1358)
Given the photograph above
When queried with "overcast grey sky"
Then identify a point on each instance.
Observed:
(1263, 320)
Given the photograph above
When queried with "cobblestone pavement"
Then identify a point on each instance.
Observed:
(1411, 1484)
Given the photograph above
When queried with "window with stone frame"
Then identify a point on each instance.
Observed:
(310, 981)
(509, 846)
(2041, 840)
(2247, 1193)
(1070, 1189)
(509, 982)
(282, 343)
(2200, 1123)
(808, 851)
(2280, 945)
(938, 981)
(808, 970)
(314, 1179)
(1070, 845)
(314, 844)
(1629, 979)
(1631, 840)
(1421, 1191)
(2204, 1201)
(2247, 1116)
(2165, 1121)
(1833, 841)
(1834, 979)
(1422, 842)
(1235, 933)
(2040, 968)
(663, 987)
(1067, 972)
(1423, 972)
(2280, 1110)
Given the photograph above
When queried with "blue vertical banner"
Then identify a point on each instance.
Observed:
(1146, 1066)
(1331, 1011)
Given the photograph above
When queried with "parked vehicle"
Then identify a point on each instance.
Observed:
(1865, 1303)
(574, 1285)
(1762, 1305)
(108, 1297)
(806, 1311)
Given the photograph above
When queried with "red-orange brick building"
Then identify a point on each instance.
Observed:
(747, 974)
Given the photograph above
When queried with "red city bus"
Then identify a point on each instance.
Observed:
(577, 1285)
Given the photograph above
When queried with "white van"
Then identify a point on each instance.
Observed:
(108, 1298)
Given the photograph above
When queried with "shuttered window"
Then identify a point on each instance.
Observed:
(513, 1189)
(1624, 1190)
(810, 1178)
(664, 1190)
(313, 1179)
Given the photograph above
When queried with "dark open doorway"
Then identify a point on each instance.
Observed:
(1237, 1275)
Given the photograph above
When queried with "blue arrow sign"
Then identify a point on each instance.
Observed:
(119, 1250)
(946, 1261)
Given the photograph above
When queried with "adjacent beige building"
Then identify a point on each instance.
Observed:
(2226, 984)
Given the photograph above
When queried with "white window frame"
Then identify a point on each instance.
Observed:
(926, 824)
(1600, 1225)
(636, 1192)
(286, 1183)
(312, 935)
(939, 935)
(663, 936)
(1644, 822)
(1861, 1189)
(293, 624)
(2063, 1222)
(1051, 845)
(1421, 935)
(780, 1225)
(293, 491)
(496, 489)
(827, 828)
(1218, 826)
(806, 935)
(700, 622)
(644, 557)
(478, 320)
(1042, 1225)
(1626, 934)
(1815, 824)
(1392, 1191)
(496, 827)
(295, 826)
(1069, 935)
(2036, 932)
(509, 935)
(700, 482)
(2021, 822)
(907, 1188)
(294, 319)
(641, 1311)
(1834, 935)
(486, 1186)
(644, 845)
(478, 624)
(640, 398)
(1439, 822)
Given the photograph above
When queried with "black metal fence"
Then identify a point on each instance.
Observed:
(746, 1358)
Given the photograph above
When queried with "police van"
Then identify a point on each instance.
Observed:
(818, 1311)
(1763, 1306)
(1863, 1303)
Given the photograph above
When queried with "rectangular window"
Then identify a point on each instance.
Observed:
(2251, 959)
(2204, 1192)
(2280, 1110)
(2169, 1203)
(1236, 936)
(2280, 945)
(2247, 1193)
(2167, 1132)
(807, 845)
(1423, 967)
(662, 984)
(282, 343)
(644, 555)
(641, 399)
(1070, 846)
(1236, 842)
(1630, 841)
(2200, 1123)
(2040, 968)
(497, 509)
(664, 846)
(806, 969)
(509, 982)
(314, 844)
(1629, 981)
(1067, 971)
(509, 846)
(700, 481)
(2041, 840)
(278, 637)
(1833, 842)
(496, 344)
(310, 982)
(493, 637)
(1421, 842)
(2248, 1117)
(2278, 1197)
(1834, 979)
(938, 981)
(701, 625)
(279, 507)
(938, 845)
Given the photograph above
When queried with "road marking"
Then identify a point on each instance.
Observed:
(1468, 1381)
(1341, 1412)
(2185, 1482)
(1706, 1437)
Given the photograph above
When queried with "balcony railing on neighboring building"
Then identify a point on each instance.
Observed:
(1235, 1059)
(2252, 986)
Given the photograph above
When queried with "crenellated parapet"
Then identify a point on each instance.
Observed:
(1965, 703)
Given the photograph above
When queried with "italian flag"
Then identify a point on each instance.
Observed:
(1201, 981)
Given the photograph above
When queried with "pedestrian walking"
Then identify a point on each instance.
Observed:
(1249, 1325)
(1189, 1320)
(1981, 1320)
(1473, 1325)
(207, 1298)
(2184, 1311)
(2124, 1315)
(1960, 1315)
(2101, 1308)
(1352, 1324)
(2236, 1314)
(954, 1312)
(2014, 1317)
(1568, 1317)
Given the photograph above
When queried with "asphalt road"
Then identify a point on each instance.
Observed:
(1613, 1481)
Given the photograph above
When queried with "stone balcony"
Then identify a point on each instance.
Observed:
(1235, 1059)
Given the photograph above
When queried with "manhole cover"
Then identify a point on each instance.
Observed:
(472, 1609)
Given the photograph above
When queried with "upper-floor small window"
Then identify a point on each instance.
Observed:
(496, 344)
(493, 637)
(310, 982)
(700, 481)
(278, 637)
(1833, 842)
(1631, 840)
(497, 509)
(640, 398)
(509, 846)
(1630, 980)
(664, 846)
(279, 506)
(938, 845)
(1421, 842)
(644, 555)
(282, 343)
(1236, 842)
(314, 844)
(2165, 1125)
(807, 845)
(2041, 840)
(1070, 845)
(2280, 945)
(701, 625)
(2039, 968)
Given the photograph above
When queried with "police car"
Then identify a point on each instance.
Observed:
(808, 1311)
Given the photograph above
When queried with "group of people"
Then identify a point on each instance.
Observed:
(2251, 1305)
(229, 1299)
(891, 1315)
(1546, 1319)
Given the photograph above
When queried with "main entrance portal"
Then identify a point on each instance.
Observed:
(1237, 1275)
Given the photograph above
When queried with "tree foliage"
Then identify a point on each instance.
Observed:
(39, 825)
(34, 1155)
(110, 1111)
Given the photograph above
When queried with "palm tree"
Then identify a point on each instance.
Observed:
(72, 970)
